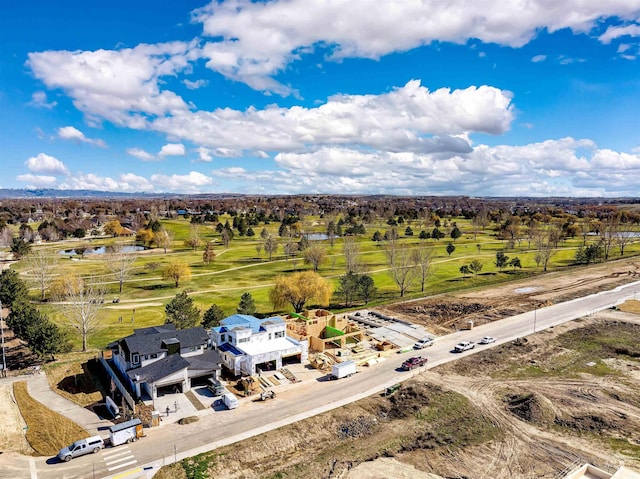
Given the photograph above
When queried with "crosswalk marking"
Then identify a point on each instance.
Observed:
(115, 454)
(118, 458)
(120, 466)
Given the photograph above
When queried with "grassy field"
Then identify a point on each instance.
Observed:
(48, 431)
(241, 268)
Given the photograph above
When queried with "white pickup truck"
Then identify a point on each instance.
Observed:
(464, 346)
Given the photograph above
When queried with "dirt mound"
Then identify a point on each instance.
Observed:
(529, 408)
(589, 423)
(407, 401)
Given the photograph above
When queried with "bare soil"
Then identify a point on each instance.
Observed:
(446, 313)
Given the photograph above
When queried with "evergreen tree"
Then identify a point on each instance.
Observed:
(246, 305)
(501, 260)
(212, 316)
(182, 312)
(450, 248)
(12, 288)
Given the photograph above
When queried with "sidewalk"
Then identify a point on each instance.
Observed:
(40, 390)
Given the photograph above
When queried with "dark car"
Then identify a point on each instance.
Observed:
(415, 362)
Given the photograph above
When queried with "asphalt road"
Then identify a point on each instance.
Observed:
(168, 443)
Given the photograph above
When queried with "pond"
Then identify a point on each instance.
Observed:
(317, 237)
(103, 250)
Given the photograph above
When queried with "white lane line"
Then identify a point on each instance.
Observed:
(32, 469)
(120, 466)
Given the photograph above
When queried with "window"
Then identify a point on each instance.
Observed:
(269, 336)
(154, 355)
(135, 358)
(279, 334)
(146, 356)
(244, 340)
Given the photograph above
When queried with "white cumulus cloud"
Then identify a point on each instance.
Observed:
(189, 183)
(194, 85)
(38, 181)
(39, 100)
(117, 85)
(259, 39)
(172, 149)
(73, 134)
(614, 32)
(140, 154)
(406, 118)
(49, 165)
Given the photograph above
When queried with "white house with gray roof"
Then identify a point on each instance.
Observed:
(165, 359)
(246, 343)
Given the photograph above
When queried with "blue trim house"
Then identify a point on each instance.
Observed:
(245, 342)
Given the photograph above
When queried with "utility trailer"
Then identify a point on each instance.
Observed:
(128, 431)
(343, 370)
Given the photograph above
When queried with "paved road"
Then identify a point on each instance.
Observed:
(166, 444)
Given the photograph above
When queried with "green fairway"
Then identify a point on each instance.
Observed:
(241, 268)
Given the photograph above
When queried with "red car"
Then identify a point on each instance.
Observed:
(416, 362)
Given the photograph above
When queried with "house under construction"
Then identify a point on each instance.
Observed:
(323, 329)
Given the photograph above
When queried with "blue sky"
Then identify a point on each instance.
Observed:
(402, 97)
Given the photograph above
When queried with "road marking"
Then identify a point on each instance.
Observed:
(32, 469)
(111, 454)
(121, 465)
(120, 459)
(128, 473)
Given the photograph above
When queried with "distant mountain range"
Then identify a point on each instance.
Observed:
(7, 193)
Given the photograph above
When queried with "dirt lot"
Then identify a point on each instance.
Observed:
(446, 313)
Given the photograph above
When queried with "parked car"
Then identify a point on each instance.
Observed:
(423, 343)
(81, 447)
(464, 346)
(487, 340)
(412, 363)
(215, 387)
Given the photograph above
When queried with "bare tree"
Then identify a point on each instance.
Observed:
(42, 268)
(290, 248)
(163, 239)
(270, 245)
(545, 249)
(421, 258)
(81, 302)
(403, 270)
(315, 255)
(120, 263)
(391, 245)
(609, 235)
(351, 252)
(194, 241)
(6, 237)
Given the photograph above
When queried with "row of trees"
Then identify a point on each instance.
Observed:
(42, 336)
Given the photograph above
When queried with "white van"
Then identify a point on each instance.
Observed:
(80, 448)
(230, 400)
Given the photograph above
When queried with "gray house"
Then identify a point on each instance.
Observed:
(162, 359)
